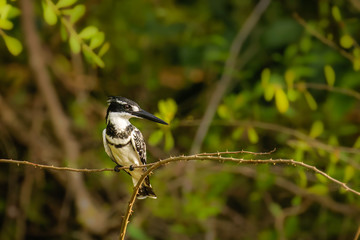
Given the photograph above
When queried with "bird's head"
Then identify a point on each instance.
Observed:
(125, 108)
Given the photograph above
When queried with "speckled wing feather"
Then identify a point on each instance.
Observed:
(139, 144)
(107, 149)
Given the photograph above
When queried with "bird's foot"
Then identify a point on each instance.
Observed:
(131, 168)
(116, 168)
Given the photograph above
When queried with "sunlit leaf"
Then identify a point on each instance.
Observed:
(237, 133)
(318, 189)
(74, 44)
(75, 13)
(349, 173)
(6, 24)
(346, 41)
(49, 14)
(65, 3)
(356, 64)
(224, 112)
(252, 135)
(156, 137)
(357, 143)
(336, 13)
(275, 209)
(169, 141)
(329, 75)
(281, 100)
(269, 92)
(104, 49)
(13, 45)
(317, 129)
(310, 100)
(97, 40)
(321, 178)
(289, 78)
(88, 32)
(265, 77)
(63, 32)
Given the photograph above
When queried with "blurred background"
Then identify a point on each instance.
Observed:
(226, 75)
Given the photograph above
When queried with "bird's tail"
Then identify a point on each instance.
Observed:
(146, 191)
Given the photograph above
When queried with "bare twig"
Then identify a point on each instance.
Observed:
(199, 157)
(43, 166)
(128, 212)
(226, 77)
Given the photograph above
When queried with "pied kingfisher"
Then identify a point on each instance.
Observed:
(124, 143)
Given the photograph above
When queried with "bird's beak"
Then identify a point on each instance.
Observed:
(149, 116)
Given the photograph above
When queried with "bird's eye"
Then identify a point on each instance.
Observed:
(127, 107)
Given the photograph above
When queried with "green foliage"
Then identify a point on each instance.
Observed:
(294, 88)
(7, 12)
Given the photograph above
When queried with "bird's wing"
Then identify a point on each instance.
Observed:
(139, 145)
(106, 146)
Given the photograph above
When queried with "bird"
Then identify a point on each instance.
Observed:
(124, 143)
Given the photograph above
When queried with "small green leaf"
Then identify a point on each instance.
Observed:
(318, 189)
(237, 133)
(310, 100)
(13, 12)
(275, 209)
(13, 45)
(88, 32)
(6, 24)
(63, 32)
(281, 100)
(356, 64)
(74, 44)
(269, 92)
(104, 49)
(65, 3)
(97, 40)
(317, 129)
(336, 13)
(224, 112)
(169, 141)
(265, 77)
(75, 13)
(252, 135)
(289, 78)
(321, 178)
(349, 173)
(357, 143)
(98, 60)
(302, 180)
(4, 10)
(49, 14)
(346, 41)
(329, 75)
(156, 137)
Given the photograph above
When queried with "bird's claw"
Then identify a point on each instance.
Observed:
(131, 168)
(116, 168)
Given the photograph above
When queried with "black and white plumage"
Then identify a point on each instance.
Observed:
(124, 143)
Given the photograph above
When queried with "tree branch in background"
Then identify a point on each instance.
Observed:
(321, 38)
(61, 124)
(226, 77)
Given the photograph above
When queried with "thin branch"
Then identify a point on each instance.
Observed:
(321, 38)
(226, 77)
(69, 169)
(345, 91)
(128, 212)
(199, 157)
(235, 152)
